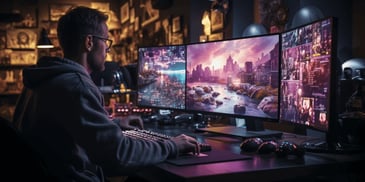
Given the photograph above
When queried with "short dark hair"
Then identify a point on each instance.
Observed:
(76, 23)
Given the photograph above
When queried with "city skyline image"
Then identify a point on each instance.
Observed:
(238, 76)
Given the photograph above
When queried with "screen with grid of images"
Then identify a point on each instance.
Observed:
(306, 74)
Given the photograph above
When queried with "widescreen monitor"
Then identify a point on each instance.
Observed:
(161, 77)
(236, 77)
(307, 75)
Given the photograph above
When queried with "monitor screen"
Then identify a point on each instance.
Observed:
(237, 77)
(161, 76)
(306, 72)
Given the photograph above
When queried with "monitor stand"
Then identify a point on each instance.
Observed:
(254, 128)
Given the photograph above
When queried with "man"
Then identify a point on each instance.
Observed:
(61, 113)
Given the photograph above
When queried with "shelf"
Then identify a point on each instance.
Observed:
(15, 66)
(15, 93)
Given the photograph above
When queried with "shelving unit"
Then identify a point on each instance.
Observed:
(11, 85)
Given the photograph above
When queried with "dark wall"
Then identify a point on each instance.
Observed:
(358, 28)
(348, 12)
(197, 9)
(243, 15)
(342, 11)
(240, 15)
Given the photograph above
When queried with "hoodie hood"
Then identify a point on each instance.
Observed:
(48, 68)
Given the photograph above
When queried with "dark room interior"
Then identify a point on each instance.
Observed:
(272, 90)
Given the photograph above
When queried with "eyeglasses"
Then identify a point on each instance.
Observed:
(108, 42)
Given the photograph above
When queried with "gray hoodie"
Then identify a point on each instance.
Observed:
(61, 114)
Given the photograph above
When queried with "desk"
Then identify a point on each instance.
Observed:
(334, 167)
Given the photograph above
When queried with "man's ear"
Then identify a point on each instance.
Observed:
(88, 43)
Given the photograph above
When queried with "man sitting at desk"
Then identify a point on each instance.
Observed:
(61, 113)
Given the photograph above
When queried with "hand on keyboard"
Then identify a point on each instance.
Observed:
(185, 143)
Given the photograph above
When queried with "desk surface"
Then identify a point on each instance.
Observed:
(266, 167)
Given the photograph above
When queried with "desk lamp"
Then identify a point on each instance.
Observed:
(353, 68)
(305, 15)
(43, 41)
(254, 29)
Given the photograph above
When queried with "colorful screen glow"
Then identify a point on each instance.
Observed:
(306, 74)
(238, 76)
(161, 77)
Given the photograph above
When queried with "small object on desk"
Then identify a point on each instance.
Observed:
(183, 118)
(251, 144)
(268, 147)
(287, 148)
(319, 147)
(161, 119)
(313, 144)
(337, 148)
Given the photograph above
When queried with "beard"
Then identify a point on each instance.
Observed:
(96, 63)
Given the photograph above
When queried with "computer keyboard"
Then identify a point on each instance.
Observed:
(156, 136)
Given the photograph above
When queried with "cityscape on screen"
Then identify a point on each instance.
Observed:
(237, 76)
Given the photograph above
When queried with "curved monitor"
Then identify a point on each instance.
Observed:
(161, 76)
(238, 77)
(307, 75)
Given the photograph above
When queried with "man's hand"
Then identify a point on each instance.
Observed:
(186, 144)
(130, 122)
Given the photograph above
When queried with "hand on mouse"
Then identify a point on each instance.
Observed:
(186, 144)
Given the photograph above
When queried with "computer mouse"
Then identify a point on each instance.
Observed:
(288, 148)
(267, 147)
(251, 144)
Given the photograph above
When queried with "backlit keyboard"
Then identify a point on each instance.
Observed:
(155, 136)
